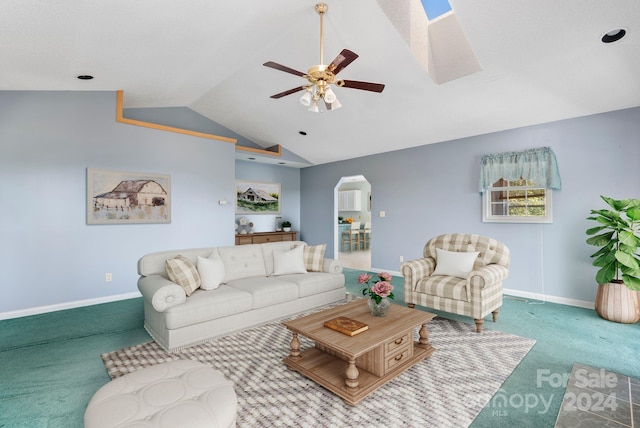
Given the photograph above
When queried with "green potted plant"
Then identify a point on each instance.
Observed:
(618, 236)
(286, 225)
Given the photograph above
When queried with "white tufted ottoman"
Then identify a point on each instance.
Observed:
(182, 393)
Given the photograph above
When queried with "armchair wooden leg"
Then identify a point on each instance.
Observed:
(479, 323)
(495, 315)
(411, 305)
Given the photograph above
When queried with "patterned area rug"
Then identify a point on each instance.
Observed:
(448, 389)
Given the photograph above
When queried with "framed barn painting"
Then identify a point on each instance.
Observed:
(257, 198)
(116, 197)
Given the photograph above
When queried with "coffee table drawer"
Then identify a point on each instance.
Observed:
(398, 358)
(397, 342)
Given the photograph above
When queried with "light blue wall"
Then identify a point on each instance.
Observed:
(432, 189)
(49, 255)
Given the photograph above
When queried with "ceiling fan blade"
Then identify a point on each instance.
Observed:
(343, 59)
(289, 92)
(284, 68)
(366, 86)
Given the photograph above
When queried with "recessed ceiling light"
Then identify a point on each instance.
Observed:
(251, 158)
(613, 35)
(84, 77)
(281, 163)
(302, 133)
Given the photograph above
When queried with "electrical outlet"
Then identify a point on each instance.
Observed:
(108, 277)
(401, 259)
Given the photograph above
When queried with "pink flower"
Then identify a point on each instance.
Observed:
(382, 288)
(385, 276)
(363, 278)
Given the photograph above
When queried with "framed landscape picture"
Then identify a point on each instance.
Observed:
(116, 197)
(254, 197)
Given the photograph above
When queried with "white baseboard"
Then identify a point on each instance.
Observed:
(67, 305)
(552, 299)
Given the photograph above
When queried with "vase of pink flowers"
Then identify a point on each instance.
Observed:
(379, 291)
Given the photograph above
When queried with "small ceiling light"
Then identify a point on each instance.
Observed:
(84, 77)
(314, 107)
(329, 96)
(305, 100)
(251, 158)
(334, 105)
(281, 163)
(302, 133)
(614, 35)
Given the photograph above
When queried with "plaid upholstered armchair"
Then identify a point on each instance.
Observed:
(459, 273)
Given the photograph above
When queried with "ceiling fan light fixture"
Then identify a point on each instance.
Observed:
(320, 77)
(329, 96)
(334, 105)
(314, 107)
(305, 100)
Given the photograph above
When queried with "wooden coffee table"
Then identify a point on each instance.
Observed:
(352, 367)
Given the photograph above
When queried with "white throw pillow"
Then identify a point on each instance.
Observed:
(288, 262)
(451, 263)
(211, 272)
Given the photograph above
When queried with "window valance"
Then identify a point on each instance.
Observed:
(537, 165)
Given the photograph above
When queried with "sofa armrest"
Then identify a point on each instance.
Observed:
(414, 270)
(161, 292)
(332, 266)
(487, 275)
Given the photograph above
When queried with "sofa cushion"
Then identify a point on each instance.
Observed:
(451, 263)
(184, 273)
(242, 261)
(269, 247)
(450, 287)
(211, 270)
(287, 262)
(267, 291)
(491, 251)
(314, 257)
(315, 282)
(205, 305)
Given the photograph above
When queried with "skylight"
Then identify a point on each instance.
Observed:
(435, 8)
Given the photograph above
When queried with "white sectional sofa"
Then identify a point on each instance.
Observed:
(257, 283)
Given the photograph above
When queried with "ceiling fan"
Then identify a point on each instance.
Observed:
(321, 76)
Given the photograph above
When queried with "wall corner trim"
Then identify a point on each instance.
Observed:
(271, 151)
(121, 119)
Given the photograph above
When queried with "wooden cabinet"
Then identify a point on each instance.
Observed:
(262, 237)
(349, 200)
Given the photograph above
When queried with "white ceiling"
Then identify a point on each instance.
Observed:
(541, 60)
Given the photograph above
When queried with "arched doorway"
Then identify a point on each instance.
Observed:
(352, 200)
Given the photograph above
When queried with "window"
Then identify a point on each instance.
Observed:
(517, 201)
(517, 187)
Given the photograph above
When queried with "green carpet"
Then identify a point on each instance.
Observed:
(50, 364)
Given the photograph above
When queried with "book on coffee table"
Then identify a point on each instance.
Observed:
(346, 325)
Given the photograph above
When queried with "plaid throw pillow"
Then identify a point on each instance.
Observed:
(314, 257)
(181, 271)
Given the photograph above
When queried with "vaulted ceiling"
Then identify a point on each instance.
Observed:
(537, 61)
